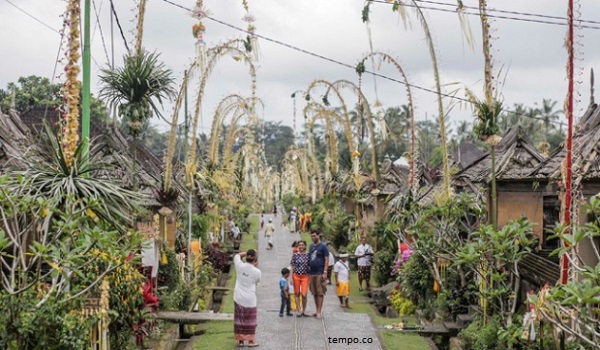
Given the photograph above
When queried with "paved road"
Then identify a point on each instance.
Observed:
(302, 333)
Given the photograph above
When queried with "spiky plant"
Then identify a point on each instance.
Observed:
(51, 175)
(138, 89)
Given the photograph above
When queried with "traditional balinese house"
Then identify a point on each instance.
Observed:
(517, 195)
(586, 179)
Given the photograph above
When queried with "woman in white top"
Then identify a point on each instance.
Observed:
(244, 298)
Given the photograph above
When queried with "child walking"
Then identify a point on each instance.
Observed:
(342, 280)
(284, 291)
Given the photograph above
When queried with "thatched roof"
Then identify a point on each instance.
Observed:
(465, 154)
(586, 148)
(13, 140)
(516, 158)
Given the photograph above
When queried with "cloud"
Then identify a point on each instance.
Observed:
(533, 53)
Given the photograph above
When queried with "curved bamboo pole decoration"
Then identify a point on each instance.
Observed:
(331, 145)
(395, 63)
(302, 173)
(232, 131)
(365, 105)
(346, 119)
(173, 132)
(441, 117)
(214, 54)
(319, 108)
(225, 106)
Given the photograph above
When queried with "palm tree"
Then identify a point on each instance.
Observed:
(137, 88)
(549, 114)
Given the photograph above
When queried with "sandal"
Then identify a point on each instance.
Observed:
(252, 344)
(240, 344)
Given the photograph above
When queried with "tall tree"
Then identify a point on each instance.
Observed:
(278, 139)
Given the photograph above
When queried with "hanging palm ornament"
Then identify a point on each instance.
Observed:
(251, 40)
(72, 86)
(198, 31)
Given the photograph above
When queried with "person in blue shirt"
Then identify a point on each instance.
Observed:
(284, 291)
(319, 260)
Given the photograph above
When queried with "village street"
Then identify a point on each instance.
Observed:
(310, 333)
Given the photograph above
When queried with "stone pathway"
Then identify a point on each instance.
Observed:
(303, 333)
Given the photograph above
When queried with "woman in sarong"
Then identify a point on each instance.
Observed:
(244, 298)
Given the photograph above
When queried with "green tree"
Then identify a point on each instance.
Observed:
(31, 91)
(397, 120)
(36, 91)
(138, 89)
(278, 139)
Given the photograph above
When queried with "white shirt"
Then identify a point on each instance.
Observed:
(247, 277)
(269, 229)
(361, 250)
(236, 232)
(331, 259)
(341, 268)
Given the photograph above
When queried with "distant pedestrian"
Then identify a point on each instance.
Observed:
(236, 232)
(262, 221)
(244, 298)
(284, 292)
(269, 232)
(342, 279)
(319, 258)
(364, 253)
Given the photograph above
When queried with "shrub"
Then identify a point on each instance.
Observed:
(417, 281)
(382, 267)
(218, 259)
(168, 274)
(402, 305)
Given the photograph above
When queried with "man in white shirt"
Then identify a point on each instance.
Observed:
(364, 253)
(342, 279)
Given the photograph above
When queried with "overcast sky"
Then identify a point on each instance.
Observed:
(532, 54)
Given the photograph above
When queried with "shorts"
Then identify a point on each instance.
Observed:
(317, 284)
(300, 284)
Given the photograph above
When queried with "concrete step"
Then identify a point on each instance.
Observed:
(452, 325)
(463, 320)
(474, 310)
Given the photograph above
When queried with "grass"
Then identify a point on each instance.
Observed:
(219, 334)
(397, 340)
(391, 339)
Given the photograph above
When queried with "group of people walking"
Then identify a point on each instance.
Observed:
(307, 271)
